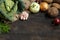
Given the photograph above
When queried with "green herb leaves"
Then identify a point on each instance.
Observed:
(4, 28)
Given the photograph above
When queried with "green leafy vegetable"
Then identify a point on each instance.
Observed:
(8, 14)
(1, 1)
(9, 8)
(4, 28)
(9, 4)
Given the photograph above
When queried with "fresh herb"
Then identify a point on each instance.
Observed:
(4, 28)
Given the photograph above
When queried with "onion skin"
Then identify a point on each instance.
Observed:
(44, 6)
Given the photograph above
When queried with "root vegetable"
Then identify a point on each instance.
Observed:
(44, 6)
(53, 11)
(48, 1)
(34, 7)
(56, 5)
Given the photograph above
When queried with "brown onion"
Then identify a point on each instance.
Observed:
(44, 6)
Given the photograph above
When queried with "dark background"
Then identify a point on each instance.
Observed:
(37, 27)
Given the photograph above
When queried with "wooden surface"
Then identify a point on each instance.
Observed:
(37, 27)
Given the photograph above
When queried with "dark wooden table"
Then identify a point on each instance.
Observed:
(37, 27)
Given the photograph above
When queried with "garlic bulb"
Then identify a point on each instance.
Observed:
(24, 15)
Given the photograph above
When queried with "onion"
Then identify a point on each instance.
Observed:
(34, 7)
(44, 6)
